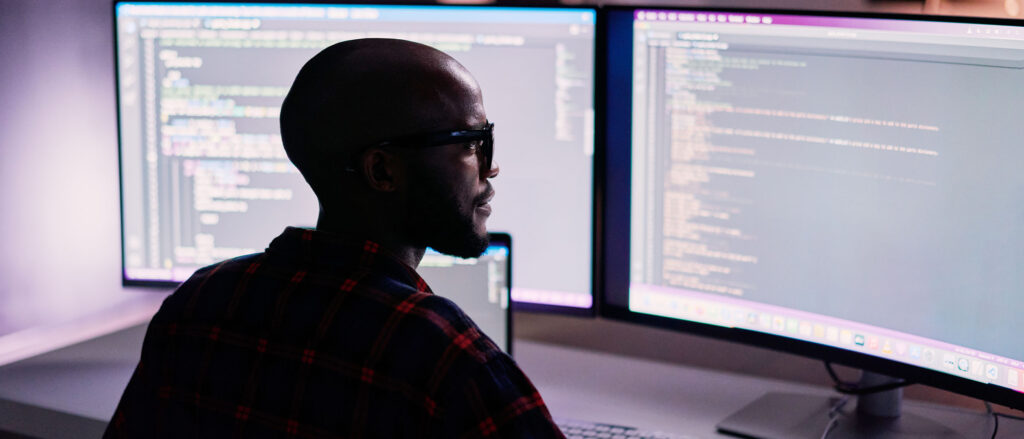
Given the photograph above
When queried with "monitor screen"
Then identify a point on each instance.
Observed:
(848, 185)
(205, 176)
(480, 286)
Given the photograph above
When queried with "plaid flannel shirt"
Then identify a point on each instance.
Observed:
(321, 338)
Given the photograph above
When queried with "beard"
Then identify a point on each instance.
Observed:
(440, 220)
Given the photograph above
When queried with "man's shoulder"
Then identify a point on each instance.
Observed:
(376, 297)
(214, 280)
(227, 267)
(432, 313)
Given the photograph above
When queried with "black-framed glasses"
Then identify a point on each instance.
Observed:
(484, 139)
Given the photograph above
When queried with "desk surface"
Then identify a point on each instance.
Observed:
(76, 389)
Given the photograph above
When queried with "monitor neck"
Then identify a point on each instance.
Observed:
(885, 404)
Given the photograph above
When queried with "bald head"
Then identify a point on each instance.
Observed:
(357, 93)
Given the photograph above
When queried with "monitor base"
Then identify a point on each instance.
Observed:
(797, 416)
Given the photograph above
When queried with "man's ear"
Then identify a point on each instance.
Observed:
(382, 169)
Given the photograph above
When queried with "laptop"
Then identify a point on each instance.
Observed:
(480, 286)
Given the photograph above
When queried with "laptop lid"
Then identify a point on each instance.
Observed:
(480, 286)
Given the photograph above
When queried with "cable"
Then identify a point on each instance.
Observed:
(828, 428)
(833, 416)
(854, 389)
(995, 417)
(1004, 415)
(988, 410)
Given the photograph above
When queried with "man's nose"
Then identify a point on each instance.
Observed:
(493, 172)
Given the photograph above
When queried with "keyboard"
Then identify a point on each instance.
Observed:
(574, 429)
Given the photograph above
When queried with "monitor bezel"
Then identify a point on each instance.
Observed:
(615, 208)
(161, 285)
(500, 239)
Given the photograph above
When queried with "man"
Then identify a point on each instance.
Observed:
(331, 333)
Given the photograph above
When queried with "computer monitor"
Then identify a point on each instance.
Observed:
(204, 175)
(842, 187)
(480, 286)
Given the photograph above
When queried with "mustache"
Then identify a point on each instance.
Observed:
(485, 196)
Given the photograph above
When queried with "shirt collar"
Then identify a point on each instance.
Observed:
(326, 250)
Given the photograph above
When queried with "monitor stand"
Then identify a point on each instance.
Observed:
(877, 416)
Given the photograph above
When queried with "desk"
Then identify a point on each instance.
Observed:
(72, 392)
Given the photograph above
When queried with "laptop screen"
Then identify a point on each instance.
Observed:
(480, 286)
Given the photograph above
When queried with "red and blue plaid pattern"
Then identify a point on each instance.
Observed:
(319, 337)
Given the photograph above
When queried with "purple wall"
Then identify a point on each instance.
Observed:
(59, 203)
